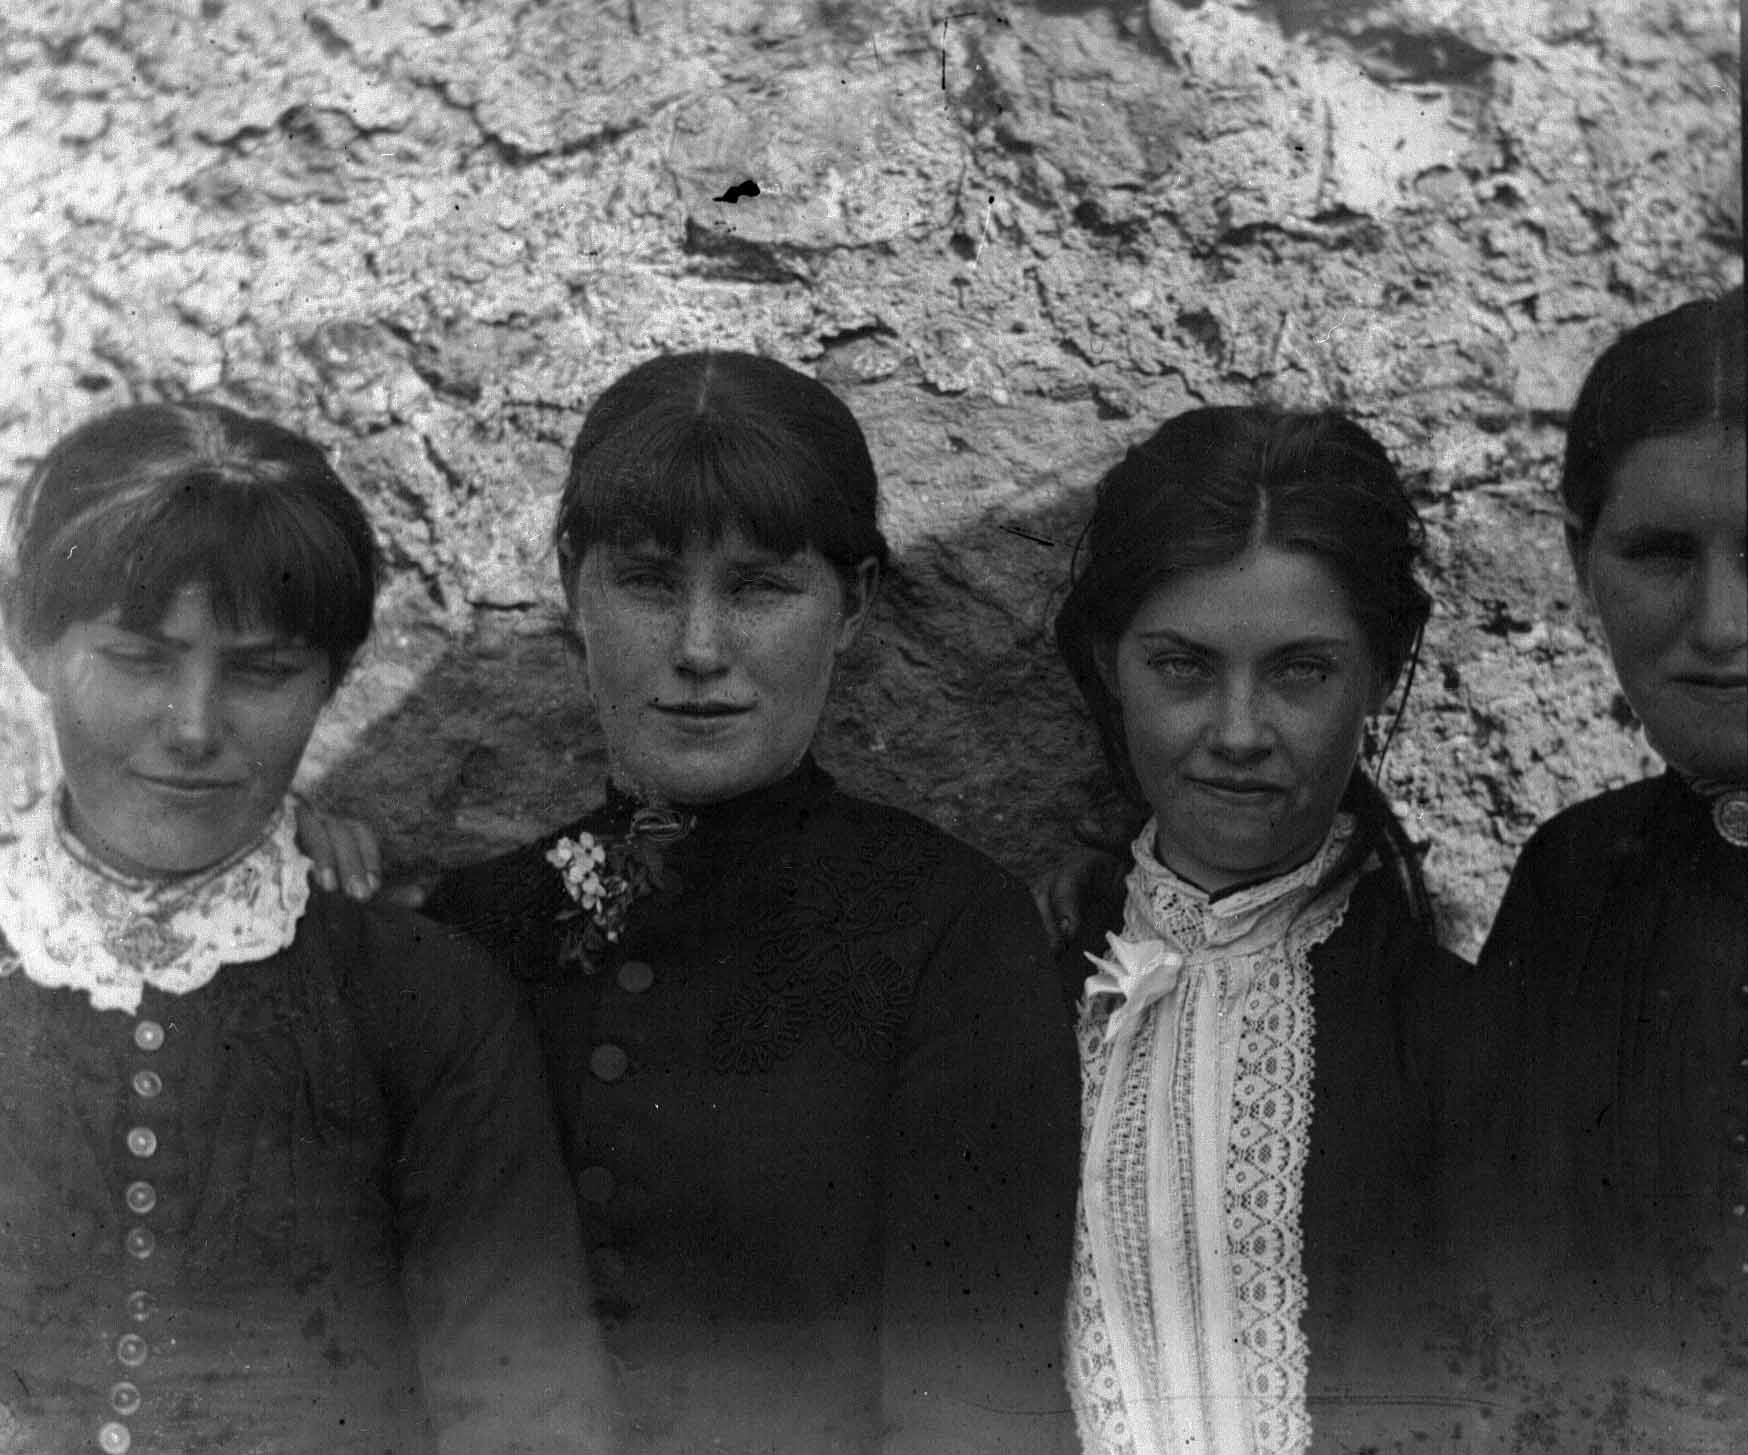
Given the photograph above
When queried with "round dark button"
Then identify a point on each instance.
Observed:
(131, 1350)
(595, 1184)
(142, 1141)
(147, 1084)
(114, 1439)
(608, 1062)
(140, 1242)
(124, 1398)
(635, 977)
(139, 1305)
(142, 1197)
(148, 1035)
(1739, 1141)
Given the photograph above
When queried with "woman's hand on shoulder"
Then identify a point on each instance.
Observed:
(343, 851)
(1091, 871)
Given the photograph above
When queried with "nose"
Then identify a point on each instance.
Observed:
(701, 635)
(193, 716)
(1239, 732)
(1719, 623)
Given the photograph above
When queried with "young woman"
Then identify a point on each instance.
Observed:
(1616, 974)
(1258, 1141)
(277, 1172)
(816, 1092)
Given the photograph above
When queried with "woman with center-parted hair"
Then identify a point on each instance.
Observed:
(1613, 987)
(816, 1091)
(277, 1171)
(1259, 1130)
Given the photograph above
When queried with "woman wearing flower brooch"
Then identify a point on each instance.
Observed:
(1258, 1142)
(1615, 978)
(277, 1171)
(816, 1093)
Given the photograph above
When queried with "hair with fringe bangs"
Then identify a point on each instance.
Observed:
(698, 444)
(1670, 374)
(133, 506)
(1210, 485)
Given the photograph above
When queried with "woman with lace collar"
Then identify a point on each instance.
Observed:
(1255, 1139)
(1615, 977)
(276, 1171)
(815, 1088)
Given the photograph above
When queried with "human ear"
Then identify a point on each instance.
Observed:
(33, 659)
(860, 587)
(1578, 553)
(1104, 658)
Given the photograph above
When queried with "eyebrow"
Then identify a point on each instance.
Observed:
(1167, 637)
(257, 647)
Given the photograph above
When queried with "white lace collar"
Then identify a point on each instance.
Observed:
(71, 922)
(1161, 902)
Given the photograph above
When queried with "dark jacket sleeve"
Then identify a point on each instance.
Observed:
(492, 1258)
(983, 1154)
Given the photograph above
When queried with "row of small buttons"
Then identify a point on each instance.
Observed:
(141, 1197)
(608, 1062)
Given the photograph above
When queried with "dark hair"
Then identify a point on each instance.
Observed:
(1670, 374)
(130, 507)
(708, 442)
(1212, 484)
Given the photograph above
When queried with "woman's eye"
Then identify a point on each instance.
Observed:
(134, 658)
(766, 585)
(1665, 553)
(642, 579)
(1305, 669)
(1178, 668)
(268, 673)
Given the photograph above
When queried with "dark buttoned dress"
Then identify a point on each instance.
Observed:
(315, 1207)
(820, 1106)
(1614, 995)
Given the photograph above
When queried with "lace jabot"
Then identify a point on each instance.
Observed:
(1196, 1055)
(67, 920)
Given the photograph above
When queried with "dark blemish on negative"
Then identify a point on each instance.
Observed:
(748, 188)
(1027, 535)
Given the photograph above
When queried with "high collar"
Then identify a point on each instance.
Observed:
(1189, 918)
(798, 789)
(72, 922)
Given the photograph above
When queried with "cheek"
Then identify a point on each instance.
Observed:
(1635, 616)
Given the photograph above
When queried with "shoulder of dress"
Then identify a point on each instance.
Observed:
(1378, 929)
(1597, 825)
(897, 833)
(388, 945)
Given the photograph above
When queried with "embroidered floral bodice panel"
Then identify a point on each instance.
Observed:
(68, 921)
(1196, 1056)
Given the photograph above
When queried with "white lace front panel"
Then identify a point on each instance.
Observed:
(1265, 1178)
(1186, 1310)
(66, 921)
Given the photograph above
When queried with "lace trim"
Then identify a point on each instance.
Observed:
(1188, 1288)
(69, 922)
(1265, 1179)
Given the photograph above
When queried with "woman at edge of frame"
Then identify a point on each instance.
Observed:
(1613, 1239)
(277, 1171)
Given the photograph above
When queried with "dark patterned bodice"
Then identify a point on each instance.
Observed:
(799, 1097)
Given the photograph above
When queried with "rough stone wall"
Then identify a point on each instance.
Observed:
(1015, 237)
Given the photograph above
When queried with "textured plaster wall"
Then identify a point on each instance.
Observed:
(1014, 236)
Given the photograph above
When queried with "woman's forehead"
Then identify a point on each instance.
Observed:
(192, 614)
(1697, 479)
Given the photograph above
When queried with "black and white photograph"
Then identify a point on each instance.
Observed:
(873, 727)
